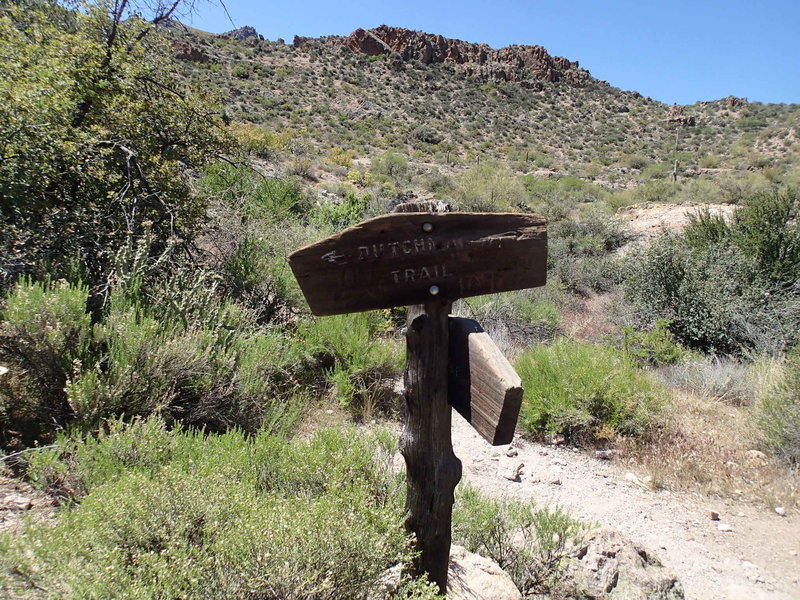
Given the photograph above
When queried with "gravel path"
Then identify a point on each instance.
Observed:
(757, 559)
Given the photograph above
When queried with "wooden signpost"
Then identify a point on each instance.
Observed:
(426, 261)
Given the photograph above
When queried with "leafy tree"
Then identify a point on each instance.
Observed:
(97, 137)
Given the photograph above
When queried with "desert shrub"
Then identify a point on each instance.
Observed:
(585, 391)
(219, 516)
(634, 161)
(725, 287)
(259, 197)
(779, 413)
(709, 161)
(45, 332)
(241, 71)
(765, 228)
(332, 217)
(705, 229)
(488, 188)
(363, 360)
(727, 379)
(174, 349)
(655, 347)
(579, 252)
(514, 320)
(705, 296)
(390, 164)
(530, 544)
(516, 307)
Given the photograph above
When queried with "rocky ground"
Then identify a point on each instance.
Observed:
(750, 552)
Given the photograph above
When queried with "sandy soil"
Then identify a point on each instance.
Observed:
(648, 220)
(757, 559)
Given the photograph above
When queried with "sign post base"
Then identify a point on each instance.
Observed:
(432, 469)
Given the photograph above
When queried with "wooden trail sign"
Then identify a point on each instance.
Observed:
(483, 386)
(408, 258)
(425, 261)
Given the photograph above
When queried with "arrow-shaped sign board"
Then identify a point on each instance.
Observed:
(410, 258)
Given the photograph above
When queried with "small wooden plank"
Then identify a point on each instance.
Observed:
(483, 386)
(397, 259)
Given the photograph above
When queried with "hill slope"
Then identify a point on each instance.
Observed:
(391, 88)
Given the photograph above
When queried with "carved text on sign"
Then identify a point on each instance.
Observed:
(402, 259)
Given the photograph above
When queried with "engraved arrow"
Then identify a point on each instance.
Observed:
(332, 257)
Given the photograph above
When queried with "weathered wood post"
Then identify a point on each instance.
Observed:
(432, 470)
(425, 260)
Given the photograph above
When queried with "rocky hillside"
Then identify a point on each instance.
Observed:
(428, 96)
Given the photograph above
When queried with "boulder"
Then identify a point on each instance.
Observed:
(469, 577)
(609, 566)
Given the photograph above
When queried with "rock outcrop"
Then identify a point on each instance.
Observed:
(243, 33)
(733, 101)
(609, 566)
(522, 64)
(185, 51)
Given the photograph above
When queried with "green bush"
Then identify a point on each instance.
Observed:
(182, 514)
(489, 188)
(584, 391)
(779, 413)
(725, 287)
(655, 347)
(706, 296)
(333, 217)
(45, 333)
(185, 354)
(391, 165)
(530, 545)
(579, 252)
(266, 198)
(765, 227)
(363, 361)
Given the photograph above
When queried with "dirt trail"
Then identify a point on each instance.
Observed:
(757, 559)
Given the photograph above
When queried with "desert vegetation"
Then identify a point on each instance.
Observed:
(162, 378)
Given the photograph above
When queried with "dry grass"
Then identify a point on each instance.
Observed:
(710, 445)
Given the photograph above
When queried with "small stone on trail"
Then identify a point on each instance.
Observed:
(329, 412)
(557, 440)
(780, 510)
(17, 502)
(511, 452)
(725, 527)
(555, 481)
(713, 515)
(756, 454)
(793, 552)
(513, 474)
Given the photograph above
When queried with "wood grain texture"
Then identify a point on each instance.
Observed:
(393, 260)
(483, 386)
(432, 469)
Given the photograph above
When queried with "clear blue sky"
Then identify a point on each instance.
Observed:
(680, 51)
